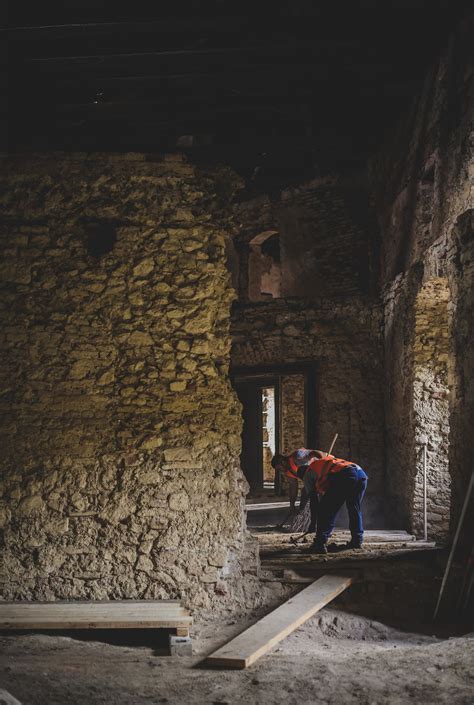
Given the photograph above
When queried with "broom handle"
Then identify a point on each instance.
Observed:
(333, 443)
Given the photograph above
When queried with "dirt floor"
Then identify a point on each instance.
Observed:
(335, 657)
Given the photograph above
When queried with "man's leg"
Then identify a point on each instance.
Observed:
(329, 507)
(355, 494)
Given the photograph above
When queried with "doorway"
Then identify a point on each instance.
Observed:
(260, 398)
(279, 415)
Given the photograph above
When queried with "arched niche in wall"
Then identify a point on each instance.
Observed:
(432, 365)
(264, 266)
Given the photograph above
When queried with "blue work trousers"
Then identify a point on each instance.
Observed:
(347, 486)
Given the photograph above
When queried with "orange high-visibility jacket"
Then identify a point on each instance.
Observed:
(321, 469)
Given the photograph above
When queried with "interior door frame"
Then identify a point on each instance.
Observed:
(271, 375)
(261, 381)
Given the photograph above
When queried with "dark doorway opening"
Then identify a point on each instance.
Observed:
(254, 394)
(279, 414)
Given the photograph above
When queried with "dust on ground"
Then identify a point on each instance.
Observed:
(334, 658)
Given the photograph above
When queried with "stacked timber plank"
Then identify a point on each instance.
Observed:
(126, 614)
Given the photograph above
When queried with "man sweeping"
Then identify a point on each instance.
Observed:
(336, 481)
(294, 467)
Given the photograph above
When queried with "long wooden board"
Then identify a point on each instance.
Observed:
(127, 614)
(7, 699)
(246, 648)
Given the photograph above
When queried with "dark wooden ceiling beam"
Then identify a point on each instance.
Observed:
(289, 82)
(277, 51)
(92, 29)
(242, 81)
(157, 70)
(246, 98)
(241, 85)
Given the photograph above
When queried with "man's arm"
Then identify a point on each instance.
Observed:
(292, 491)
(309, 480)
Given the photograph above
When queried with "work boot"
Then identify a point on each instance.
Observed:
(318, 548)
(352, 546)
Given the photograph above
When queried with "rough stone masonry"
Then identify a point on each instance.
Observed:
(120, 431)
(424, 195)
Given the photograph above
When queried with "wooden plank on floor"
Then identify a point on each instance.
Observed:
(342, 562)
(254, 642)
(270, 550)
(152, 614)
(7, 699)
(341, 536)
(102, 609)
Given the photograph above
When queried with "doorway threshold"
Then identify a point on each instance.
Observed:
(270, 503)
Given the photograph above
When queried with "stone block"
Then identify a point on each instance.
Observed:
(217, 557)
(152, 443)
(140, 338)
(143, 268)
(30, 505)
(210, 575)
(145, 564)
(177, 454)
(117, 511)
(175, 313)
(178, 386)
(180, 645)
(106, 377)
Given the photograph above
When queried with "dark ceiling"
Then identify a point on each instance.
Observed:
(281, 91)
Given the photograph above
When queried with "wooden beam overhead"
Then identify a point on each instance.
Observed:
(79, 29)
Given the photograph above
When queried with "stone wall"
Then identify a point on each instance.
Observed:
(292, 419)
(120, 431)
(324, 241)
(292, 397)
(431, 353)
(461, 454)
(344, 338)
(423, 189)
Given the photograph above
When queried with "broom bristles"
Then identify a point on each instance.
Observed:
(300, 522)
